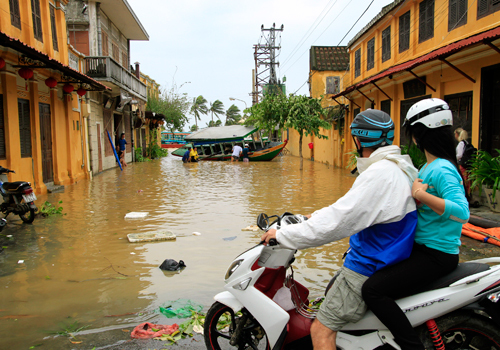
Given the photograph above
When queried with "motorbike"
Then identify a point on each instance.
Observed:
(264, 307)
(18, 198)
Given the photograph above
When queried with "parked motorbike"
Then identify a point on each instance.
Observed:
(264, 308)
(18, 198)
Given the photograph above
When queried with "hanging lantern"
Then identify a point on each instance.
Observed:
(2, 63)
(26, 74)
(81, 91)
(68, 88)
(51, 82)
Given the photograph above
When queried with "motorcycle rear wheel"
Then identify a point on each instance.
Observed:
(220, 324)
(475, 332)
(28, 217)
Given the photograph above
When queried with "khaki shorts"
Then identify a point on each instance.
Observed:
(343, 303)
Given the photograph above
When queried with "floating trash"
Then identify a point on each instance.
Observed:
(151, 236)
(229, 238)
(172, 265)
(136, 215)
(251, 228)
(196, 234)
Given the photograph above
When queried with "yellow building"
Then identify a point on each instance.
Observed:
(143, 134)
(413, 50)
(41, 126)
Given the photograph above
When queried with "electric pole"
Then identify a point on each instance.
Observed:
(265, 62)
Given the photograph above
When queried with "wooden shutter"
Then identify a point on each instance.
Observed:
(15, 15)
(116, 52)
(404, 32)
(2, 130)
(53, 28)
(457, 14)
(487, 7)
(24, 126)
(370, 54)
(37, 20)
(426, 21)
(357, 63)
(386, 44)
(329, 85)
(104, 38)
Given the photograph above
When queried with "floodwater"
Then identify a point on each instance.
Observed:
(79, 270)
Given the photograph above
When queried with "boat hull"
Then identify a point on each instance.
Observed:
(263, 155)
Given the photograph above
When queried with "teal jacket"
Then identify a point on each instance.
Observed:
(442, 232)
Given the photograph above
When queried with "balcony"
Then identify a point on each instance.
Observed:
(106, 69)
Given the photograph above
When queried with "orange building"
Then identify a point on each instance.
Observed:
(428, 48)
(42, 134)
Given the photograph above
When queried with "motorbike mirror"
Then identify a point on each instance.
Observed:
(263, 221)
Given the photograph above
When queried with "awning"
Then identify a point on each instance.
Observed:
(440, 53)
(44, 61)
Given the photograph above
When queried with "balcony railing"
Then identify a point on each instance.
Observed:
(110, 70)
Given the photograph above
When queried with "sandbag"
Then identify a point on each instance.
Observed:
(148, 330)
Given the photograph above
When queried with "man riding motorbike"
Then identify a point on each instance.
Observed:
(378, 213)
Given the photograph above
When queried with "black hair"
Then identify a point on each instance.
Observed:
(439, 142)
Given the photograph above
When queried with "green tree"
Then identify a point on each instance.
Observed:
(233, 115)
(173, 105)
(211, 123)
(199, 107)
(217, 107)
(194, 127)
(301, 113)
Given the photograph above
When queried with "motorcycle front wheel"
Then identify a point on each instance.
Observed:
(220, 326)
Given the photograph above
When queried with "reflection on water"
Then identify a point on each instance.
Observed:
(80, 267)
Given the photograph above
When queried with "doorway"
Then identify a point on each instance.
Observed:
(405, 107)
(46, 140)
(489, 137)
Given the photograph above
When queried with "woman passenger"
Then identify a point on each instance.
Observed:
(442, 210)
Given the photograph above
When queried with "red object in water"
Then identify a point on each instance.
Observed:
(50, 82)
(2, 63)
(81, 92)
(145, 330)
(311, 145)
(68, 88)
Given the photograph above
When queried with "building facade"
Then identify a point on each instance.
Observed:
(102, 32)
(42, 129)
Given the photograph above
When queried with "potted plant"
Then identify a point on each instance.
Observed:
(484, 173)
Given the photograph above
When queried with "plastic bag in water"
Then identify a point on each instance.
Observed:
(180, 308)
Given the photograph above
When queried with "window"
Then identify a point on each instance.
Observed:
(426, 21)
(116, 52)
(124, 60)
(24, 126)
(370, 54)
(386, 44)
(15, 15)
(332, 85)
(105, 50)
(385, 106)
(53, 28)
(457, 14)
(404, 32)
(37, 19)
(357, 63)
(2, 130)
(487, 7)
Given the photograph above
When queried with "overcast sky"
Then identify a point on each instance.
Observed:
(207, 46)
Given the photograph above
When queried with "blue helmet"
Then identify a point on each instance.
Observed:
(373, 128)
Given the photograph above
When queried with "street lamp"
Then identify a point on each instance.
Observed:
(233, 99)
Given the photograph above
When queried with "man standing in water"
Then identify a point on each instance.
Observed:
(379, 214)
(236, 153)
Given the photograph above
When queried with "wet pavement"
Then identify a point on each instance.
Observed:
(79, 270)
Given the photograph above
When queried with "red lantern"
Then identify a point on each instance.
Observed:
(81, 92)
(68, 88)
(51, 82)
(2, 63)
(26, 74)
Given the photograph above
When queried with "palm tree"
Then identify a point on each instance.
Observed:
(233, 115)
(199, 107)
(217, 107)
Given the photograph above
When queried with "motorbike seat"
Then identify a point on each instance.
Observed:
(14, 186)
(463, 270)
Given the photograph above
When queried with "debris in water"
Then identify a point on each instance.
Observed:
(136, 215)
(196, 234)
(251, 228)
(151, 236)
(20, 262)
(229, 238)
(172, 265)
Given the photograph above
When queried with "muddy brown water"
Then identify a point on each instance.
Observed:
(79, 270)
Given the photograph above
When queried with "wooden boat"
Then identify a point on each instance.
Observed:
(216, 143)
(173, 139)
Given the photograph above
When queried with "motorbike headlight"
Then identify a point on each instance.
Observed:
(234, 266)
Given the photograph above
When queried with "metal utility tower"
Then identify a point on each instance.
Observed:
(265, 59)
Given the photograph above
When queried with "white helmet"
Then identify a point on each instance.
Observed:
(432, 112)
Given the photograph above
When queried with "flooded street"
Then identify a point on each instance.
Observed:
(79, 269)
